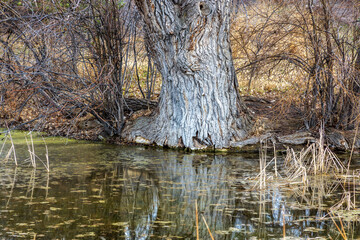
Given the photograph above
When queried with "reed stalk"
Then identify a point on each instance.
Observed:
(31, 150)
(275, 158)
(13, 148)
(197, 220)
(341, 231)
(284, 226)
(3, 145)
(13, 182)
(352, 147)
(211, 236)
(47, 166)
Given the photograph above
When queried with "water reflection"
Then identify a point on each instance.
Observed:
(161, 195)
(96, 191)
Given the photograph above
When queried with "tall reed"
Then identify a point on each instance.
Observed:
(33, 158)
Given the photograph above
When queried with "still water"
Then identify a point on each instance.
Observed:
(99, 191)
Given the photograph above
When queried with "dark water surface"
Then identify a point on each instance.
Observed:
(98, 191)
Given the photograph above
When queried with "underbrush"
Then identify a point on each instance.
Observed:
(304, 51)
(85, 62)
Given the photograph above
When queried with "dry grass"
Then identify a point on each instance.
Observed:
(289, 50)
(264, 175)
(316, 159)
(314, 175)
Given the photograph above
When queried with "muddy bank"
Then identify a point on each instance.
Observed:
(284, 127)
(272, 125)
(334, 139)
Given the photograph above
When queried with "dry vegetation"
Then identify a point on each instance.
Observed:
(69, 67)
(304, 52)
(312, 177)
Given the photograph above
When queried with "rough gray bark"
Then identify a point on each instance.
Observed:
(199, 104)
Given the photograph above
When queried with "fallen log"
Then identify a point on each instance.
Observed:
(136, 104)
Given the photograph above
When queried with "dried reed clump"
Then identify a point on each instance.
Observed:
(264, 176)
(316, 159)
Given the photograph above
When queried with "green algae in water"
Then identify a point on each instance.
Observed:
(19, 138)
(98, 191)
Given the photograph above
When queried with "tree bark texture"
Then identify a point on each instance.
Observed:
(199, 103)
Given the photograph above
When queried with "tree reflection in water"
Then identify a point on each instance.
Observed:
(167, 191)
(159, 199)
(137, 193)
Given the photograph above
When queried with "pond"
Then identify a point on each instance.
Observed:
(101, 191)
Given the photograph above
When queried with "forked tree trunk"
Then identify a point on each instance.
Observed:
(199, 104)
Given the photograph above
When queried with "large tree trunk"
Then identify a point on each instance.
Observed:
(199, 103)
